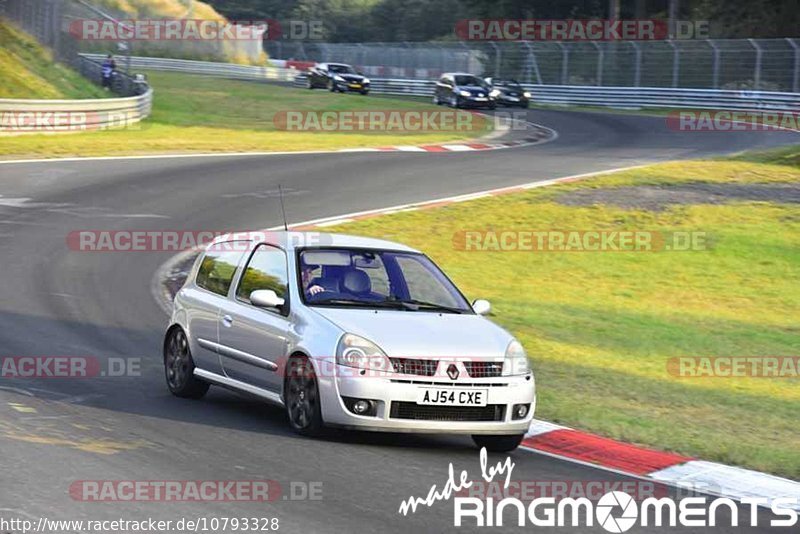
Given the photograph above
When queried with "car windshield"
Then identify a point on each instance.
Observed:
(506, 83)
(469, 80)
(341, 69)
(343, 277)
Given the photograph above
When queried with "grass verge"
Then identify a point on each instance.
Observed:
(202, 114)
(600, 328)
(27, 70)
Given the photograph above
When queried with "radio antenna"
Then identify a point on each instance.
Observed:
(283, 209)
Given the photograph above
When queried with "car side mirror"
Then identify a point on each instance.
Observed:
(266, 298)
(481, 307)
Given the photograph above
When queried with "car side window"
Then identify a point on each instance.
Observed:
(217, 268)
(265, 270)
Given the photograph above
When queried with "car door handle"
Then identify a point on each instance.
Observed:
(227, 320)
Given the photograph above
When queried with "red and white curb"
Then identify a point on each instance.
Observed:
(662, 467)
(536, 134)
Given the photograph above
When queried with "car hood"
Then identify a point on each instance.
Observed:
(474, 89)
(351, 77)
(422, 334)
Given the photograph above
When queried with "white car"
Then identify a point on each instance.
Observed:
(350, 332)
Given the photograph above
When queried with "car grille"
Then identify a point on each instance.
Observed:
(412, 410)
(410, 366)
(484, 369)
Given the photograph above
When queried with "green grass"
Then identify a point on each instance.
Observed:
(203, 114)
(601, 327)
(27, 70)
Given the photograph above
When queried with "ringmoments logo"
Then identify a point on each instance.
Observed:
(615, 511)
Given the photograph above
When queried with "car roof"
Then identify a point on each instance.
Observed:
(292, 240)
(460, 74)
(338, 64)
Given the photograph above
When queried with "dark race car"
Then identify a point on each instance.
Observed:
(461, 90)
(337, 77)
(508, 92)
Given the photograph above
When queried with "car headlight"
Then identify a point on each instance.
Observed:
(516, 361)
(365, 81)
(464, 93)
(338, 78)
(495, 93)
(526, 94)
(355, 351)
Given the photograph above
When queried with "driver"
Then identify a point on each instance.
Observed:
(306, 277)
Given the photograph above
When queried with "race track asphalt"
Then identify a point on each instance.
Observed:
(55, 301)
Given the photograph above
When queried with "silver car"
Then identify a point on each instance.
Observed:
(348, 332)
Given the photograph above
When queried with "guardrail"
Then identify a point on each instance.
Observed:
(58, 116)
(208, 68)
(617, 97)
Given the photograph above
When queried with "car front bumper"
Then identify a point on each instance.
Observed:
(471, 102)
(502, 393)
(346, 86)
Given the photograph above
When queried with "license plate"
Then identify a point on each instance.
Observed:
(452, 397)
(513, 99)
(480, 98)
(355, 85)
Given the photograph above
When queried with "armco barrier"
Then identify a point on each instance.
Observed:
(208, 68)
(618, 97)
(53, 116)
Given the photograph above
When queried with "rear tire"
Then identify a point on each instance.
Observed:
(301, 395)
(498, 443)
(179, 367)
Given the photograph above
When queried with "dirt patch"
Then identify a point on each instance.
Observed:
(659, 197)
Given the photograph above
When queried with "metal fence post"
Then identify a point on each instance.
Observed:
(715, 64)
(796, 75)
(637, 72)
(497, 56)
(757, 70)
(564, 63)
(534, 63)
(676, 62)
(600, 57)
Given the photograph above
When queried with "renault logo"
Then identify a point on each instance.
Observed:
(452, 371)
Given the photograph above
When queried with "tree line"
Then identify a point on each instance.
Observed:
(425, 20)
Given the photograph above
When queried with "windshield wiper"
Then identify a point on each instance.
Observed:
(414, 304)
(356, 302)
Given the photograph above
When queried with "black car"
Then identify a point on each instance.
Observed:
(460, 90)
(337, 77)
(508, 92)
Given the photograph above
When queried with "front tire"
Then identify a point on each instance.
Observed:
(179, 367)
(498, 443)
(310, 84)
(301, 395)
